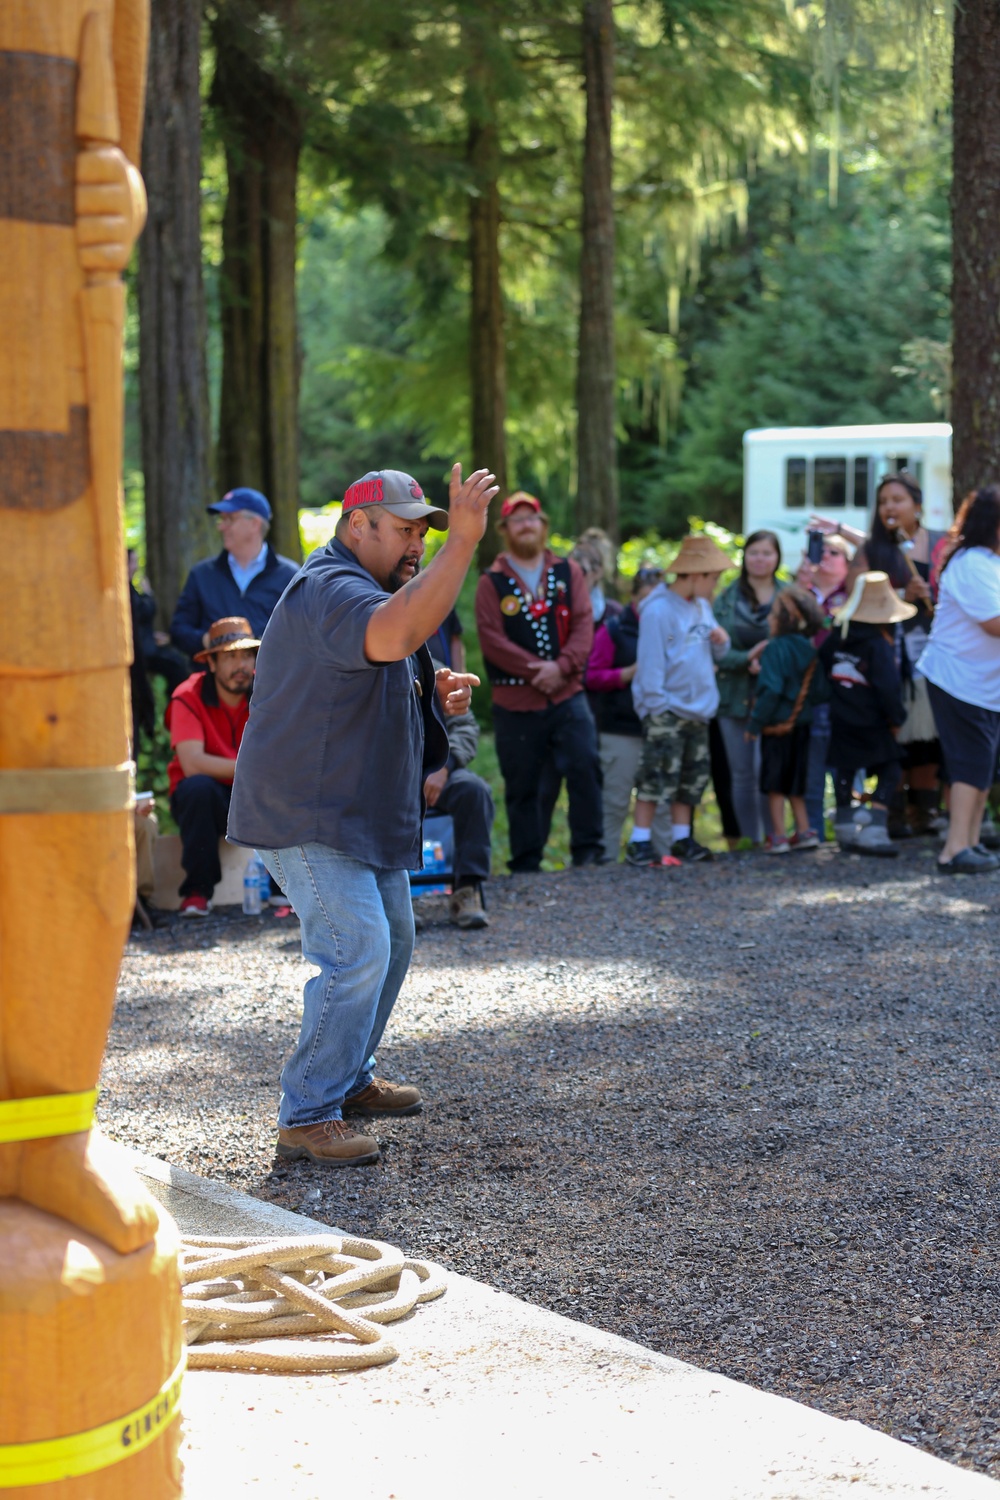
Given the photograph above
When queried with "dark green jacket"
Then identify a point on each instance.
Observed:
(782, 668)
(736, 616)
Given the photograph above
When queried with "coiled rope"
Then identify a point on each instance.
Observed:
(250, 1303)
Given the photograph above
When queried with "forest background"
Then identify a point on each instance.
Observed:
(583, 244)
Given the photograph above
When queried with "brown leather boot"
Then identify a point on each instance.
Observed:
(330, 1143)
(384, 1098)
(465, 908)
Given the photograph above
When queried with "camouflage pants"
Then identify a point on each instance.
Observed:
(674, 764)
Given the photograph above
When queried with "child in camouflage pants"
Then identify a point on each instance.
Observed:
(675, 695)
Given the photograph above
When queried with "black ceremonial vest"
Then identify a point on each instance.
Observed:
(539, 626)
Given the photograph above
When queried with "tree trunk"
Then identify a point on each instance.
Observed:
(597, 470)
(487, 347)
(173, 382)
(975, 204)
(258, 408)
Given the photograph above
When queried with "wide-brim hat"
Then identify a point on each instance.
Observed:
(231, 634)
(396, 492)
(699, 554)
(873, 601)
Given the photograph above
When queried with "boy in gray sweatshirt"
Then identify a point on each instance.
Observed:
(675, 694)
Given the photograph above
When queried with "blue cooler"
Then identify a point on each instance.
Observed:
(439, 858)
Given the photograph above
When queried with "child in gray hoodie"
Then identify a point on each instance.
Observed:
(675, 695)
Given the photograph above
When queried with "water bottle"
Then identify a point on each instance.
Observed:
(251, 888)
(264, 880)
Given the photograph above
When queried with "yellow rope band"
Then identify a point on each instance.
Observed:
(74, 789)
(52, 1459)
(54, 1114)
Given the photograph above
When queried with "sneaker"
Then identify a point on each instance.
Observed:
(690, 850)
(384, 1098)
(774, 845)
(465, 908)
(195, 906)
(330, 1143)
(874, 839)
(808, 839)
(640, 855)
(968, 862)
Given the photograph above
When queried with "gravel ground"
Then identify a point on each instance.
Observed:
(743, 1114)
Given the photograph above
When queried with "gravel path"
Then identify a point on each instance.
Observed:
(742, 1113)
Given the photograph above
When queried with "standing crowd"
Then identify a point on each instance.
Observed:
(876, 670)
(330, 712)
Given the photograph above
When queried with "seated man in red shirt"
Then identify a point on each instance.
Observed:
(206, 717)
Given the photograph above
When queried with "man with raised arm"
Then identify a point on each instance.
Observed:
(345, 726)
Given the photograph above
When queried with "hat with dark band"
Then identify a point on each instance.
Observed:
(231, 634)
(396, 492)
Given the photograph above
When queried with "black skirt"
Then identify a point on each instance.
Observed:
(784, 762)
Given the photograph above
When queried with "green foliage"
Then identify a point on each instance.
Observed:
(152, 758)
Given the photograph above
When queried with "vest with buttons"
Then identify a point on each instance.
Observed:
(540, 626)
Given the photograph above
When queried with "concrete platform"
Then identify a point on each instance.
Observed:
(494, 1396)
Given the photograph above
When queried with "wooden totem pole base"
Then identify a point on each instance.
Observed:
(91, 1342)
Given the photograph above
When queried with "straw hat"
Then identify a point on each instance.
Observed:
(699, 554)
(231, 634)
(873, 601)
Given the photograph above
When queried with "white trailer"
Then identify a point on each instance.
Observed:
(791, 472)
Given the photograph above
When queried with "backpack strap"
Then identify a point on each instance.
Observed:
(787, 725)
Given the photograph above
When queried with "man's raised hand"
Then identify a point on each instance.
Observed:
(469, 503)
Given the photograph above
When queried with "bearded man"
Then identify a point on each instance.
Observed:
(345, 727)
(536, 628)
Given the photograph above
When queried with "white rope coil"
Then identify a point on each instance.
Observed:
(248, 1303)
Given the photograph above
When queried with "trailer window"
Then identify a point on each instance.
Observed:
(861, 468)
(830, 483)
(795, 483)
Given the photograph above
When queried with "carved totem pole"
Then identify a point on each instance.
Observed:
(90, 1337)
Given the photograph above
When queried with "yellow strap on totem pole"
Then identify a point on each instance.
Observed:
(52, 1459)
(73, 789)
(53, 1114)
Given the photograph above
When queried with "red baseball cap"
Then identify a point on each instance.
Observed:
(519, 497)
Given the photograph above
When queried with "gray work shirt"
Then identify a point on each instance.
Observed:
(337, 747)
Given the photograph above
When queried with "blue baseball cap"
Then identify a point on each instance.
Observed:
(241, 499)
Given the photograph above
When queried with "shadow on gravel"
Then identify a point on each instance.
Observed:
(745, 1115)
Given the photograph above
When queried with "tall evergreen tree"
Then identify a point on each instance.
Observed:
(597, 469)
(260, 117)
(172, 377)
(975, 207)
(487, 341)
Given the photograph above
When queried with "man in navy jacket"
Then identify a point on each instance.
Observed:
(247, 578)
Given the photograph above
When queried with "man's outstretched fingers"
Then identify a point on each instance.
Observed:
(478, 489)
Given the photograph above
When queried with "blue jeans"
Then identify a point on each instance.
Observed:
(819, 744)
(357, 928)
(749, 803)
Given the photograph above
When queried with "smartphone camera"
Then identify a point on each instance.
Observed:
(814, 548)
